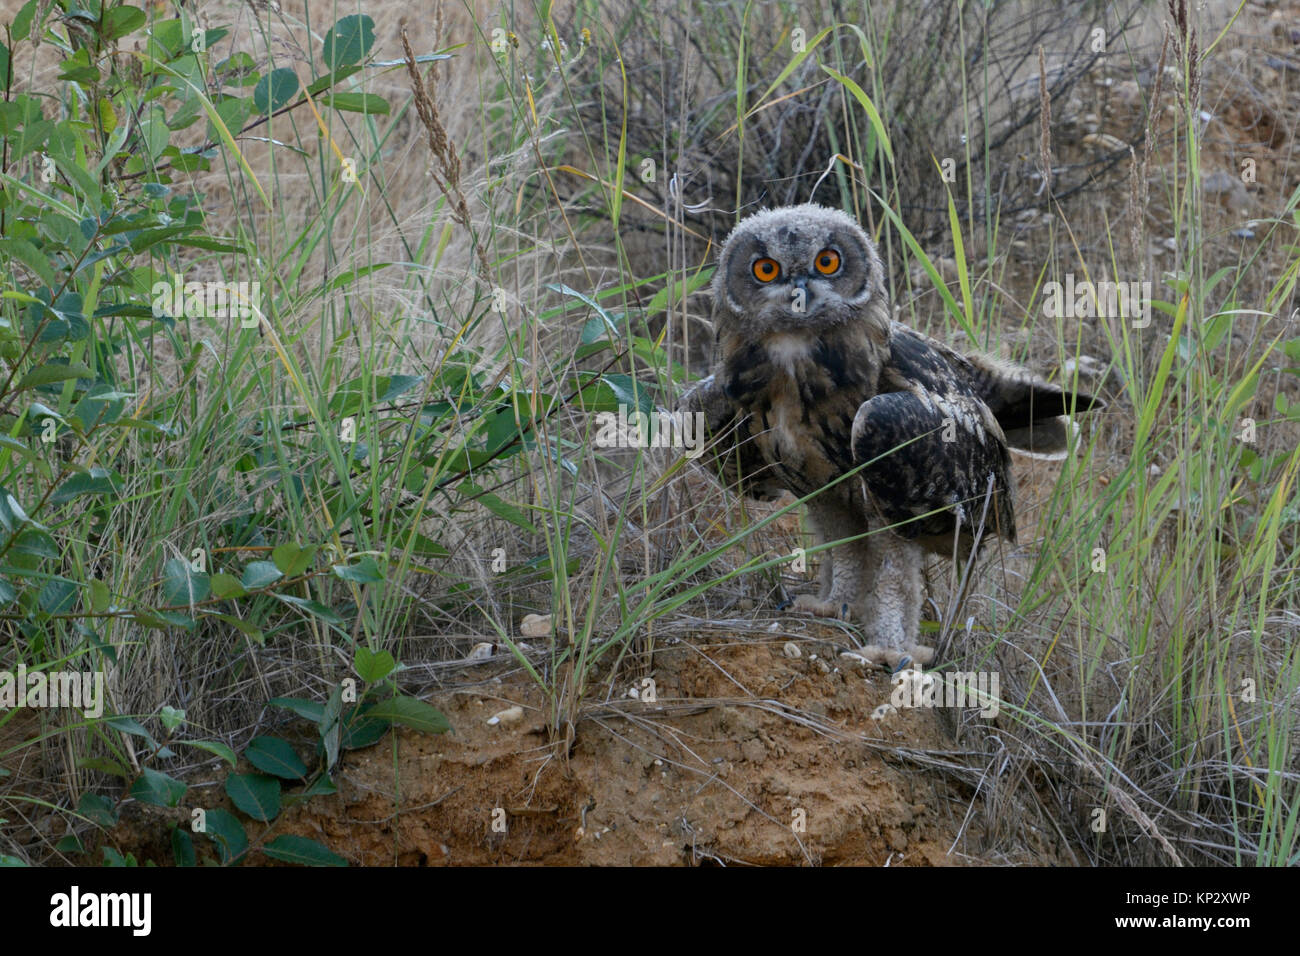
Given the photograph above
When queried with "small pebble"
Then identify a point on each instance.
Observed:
(511, 715)
(535, 625)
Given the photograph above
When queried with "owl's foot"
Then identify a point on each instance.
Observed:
(893, 659)
(920, 653)
(814, 605)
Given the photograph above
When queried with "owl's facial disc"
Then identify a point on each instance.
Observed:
(800, 290)
(796, 268)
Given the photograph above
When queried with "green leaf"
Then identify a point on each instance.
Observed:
(348, 41)
(603, 321)
(330, 727)
(412, 713)
(213, 747)
(320, 787)
(97, 810)
(183, 848)
(255, 794)
(322, 83)
(227, 586)
(296, 849)
(358, 102)
(113, 857)
(119, 21)
(503, 509)
(360, 730)
(12, 515)
(225, 830)
(292, 559)
(275, 90)
(105, 765)
(100, 598)
(365, 571)
(421, 544)
(274, 756)
(607, 393)
(58, 595)
(171, 718)
(307, 709)
(96, 481)
(247, 628)
(182, 585)
(23, 21)
(31, 257)
(260, 574)
(373, 666)
(70, 846)
(155, 133)
(311, 607)
(158, 789)
(49, 374)
(129, 725)
(347, 400)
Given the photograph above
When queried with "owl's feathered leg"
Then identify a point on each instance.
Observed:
(893, 592)
(896, 594)
(825, 572)
(841, 578)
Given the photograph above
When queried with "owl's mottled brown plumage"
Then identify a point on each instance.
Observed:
(815, 380)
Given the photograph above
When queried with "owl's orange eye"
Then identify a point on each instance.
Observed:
(765, 270)
(827, 262)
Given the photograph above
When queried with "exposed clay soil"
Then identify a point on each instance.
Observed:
(738, 742)
(746, 757)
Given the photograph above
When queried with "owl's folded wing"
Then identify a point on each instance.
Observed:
(730, 444)
(931, 459)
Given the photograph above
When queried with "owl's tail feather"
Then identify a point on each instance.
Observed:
(1035, 415)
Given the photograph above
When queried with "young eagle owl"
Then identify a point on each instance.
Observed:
(814, 379)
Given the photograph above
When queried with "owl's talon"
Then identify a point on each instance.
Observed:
(923, 655)
(819, 608)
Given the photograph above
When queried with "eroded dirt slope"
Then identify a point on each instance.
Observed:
(746, 756)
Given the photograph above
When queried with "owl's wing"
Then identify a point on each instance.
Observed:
(730, 442)
(933, 452)
(1035, 416)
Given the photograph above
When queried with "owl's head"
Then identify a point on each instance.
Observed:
(797, 268)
